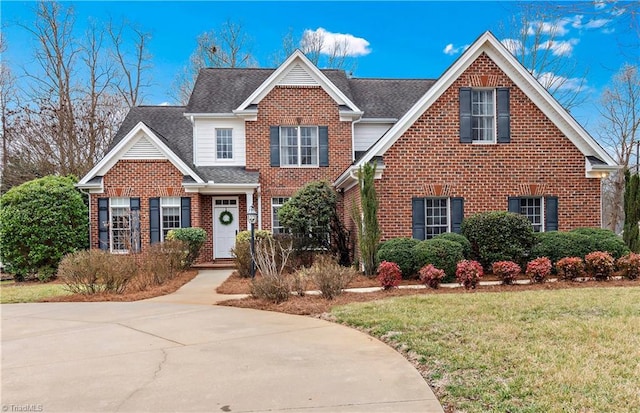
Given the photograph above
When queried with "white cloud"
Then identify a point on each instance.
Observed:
(559, 47)
(596, 23)
(451, 50)
(551, 81)
(514, 46)
(330, 42)
(556, 28)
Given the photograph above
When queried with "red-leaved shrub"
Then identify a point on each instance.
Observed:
(629, 266)
(507, 271)
(389, 275)
(570, 268)
(600, 265)
(468, 273)
(431, 276)
(539, 269)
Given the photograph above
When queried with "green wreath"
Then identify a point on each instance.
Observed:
(226, 218)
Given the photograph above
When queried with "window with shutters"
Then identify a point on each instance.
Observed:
(121, 219)
(436, 216)
(533, 209)
(224, 144)
(483, 116)
(276, 204)
(299, 146)
(170, 213)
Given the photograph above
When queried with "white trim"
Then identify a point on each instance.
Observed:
(297, 57)
(211, 188)
(115, 154)
(488, 44)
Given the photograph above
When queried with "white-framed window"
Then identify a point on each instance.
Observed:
(120, 218)
(276, 203)
(483, 115)
(169, 214)
(224, 143)
(533, 209)
(437, 220)
(299, 146)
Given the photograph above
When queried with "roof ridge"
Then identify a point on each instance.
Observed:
(394, 78)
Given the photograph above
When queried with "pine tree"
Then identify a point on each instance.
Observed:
(632, 211)
(367, 220)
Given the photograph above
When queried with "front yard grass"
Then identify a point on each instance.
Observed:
(575, 350)
(11, 292)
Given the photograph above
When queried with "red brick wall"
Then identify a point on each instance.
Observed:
(429, 160)
(143, 179)
(291, 106)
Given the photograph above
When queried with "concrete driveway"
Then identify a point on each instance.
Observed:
(167, 357)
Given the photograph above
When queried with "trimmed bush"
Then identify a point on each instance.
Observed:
(400, 251)
(556, 245)
(604, 240)
(431, 276)
(498, 236)
(328, 276)
(389, 275)
(507, 271)
(241, 251)
(273, 289)
(570, 268)
(441, 253)
(460, 239)
(193, 238)
(245, 236)
(600, 265)
(629, 266)
(96, 271)
(40, 222)
(539, 269)
(468, 273)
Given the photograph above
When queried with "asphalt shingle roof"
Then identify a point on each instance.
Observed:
(387, 98)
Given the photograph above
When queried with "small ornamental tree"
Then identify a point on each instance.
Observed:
(431, 276)
(312, 211)
(468, 273)
(40, 222)
(507, 271)
(366, 218)
(632, 211)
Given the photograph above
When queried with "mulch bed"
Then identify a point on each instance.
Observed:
(156, 291)
(316, 305)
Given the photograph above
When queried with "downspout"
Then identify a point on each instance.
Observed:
(353, 138)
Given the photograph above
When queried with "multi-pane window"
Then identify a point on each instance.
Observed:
(120, 224)
(436, 216)
(224, 144)
(299, 146)
(483, 115)
(170, 213)
(532, 209)
(276, 203)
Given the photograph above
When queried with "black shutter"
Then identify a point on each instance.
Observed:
(103, 223)
(274, 144)
(418, 219)
(154, 220)
(465, 115)
(457, 214)
(185, 212)
(323, 138)
(504, 116)
(134, 205)
(514, 205)
(551, 213)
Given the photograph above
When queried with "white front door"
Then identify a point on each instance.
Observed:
(225, 226)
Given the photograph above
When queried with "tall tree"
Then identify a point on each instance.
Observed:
(632, 211)
(620, 133)
(229, 46)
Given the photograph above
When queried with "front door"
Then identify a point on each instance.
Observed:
(225, 226)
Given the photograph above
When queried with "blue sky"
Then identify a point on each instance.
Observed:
(394, 39)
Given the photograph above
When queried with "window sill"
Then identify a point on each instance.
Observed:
(299, 166)
(484, 143)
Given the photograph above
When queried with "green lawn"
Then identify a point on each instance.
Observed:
(575, 350)
(29, 292)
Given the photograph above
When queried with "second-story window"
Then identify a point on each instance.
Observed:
(483, 115)
(224, 144)
(299, 145)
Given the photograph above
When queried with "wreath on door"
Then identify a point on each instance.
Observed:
(225, 218)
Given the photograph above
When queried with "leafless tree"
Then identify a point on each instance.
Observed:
(620, 132)
(72, 100)
(229, 46)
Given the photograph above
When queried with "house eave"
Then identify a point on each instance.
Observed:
(210, 188)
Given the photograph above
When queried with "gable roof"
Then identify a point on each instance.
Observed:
(387, 98)
(489, 44)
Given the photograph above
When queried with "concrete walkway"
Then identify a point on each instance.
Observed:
(175, 354)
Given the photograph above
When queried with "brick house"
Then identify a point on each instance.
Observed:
(484, 136)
